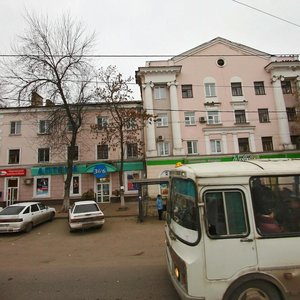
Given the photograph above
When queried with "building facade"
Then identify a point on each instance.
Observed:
(31, 170)
(219, 101)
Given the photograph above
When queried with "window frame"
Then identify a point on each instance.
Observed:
(189, 118)
(44, 127)
(241, 143)
(286, 87)
(215, 145)
(131, 148)
(160, 92)
(162, 120)
(291, 114)
(76, 156)
(18, 156)
(213, 117)
(15, 127)
(102, 122)
(236, 89)
(210, 89)
(267, 143)
(163, 149)
(259, 88)
(42, 153)
(192, 147)
(42, 194)
(103, 151)
(263, 115)
(240, 116)
(187, 91)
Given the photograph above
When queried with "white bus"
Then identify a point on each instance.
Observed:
(233, 230)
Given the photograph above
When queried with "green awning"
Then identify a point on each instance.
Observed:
(109, 168)
(132, 166)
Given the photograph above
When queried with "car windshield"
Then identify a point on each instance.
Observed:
(83, 208)
(12, 210)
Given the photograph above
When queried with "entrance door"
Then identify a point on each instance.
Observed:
(102, 191)
(12, 190)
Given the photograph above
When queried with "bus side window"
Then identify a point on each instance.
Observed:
(225, 213)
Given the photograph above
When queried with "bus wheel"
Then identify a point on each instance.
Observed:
(255, 290)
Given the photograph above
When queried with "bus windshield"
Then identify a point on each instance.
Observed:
(182, 209)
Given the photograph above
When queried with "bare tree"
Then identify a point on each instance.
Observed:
(52, 58)
(126, 119)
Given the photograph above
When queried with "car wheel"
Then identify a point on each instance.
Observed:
(256, 290)
(52, 216)
(28, 227)
(71, 229)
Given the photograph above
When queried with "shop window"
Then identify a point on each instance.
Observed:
(42, 187)
(75, 189)
(130, 186)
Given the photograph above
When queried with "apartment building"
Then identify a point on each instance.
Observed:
(219, 101)
(31, 169)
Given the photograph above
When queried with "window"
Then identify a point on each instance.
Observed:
(267, 143)
(189, 118)
(286, 87)
(236, 89)
(187, 91)
(291, 114)
(215, 146)
(43, 155)
(102, 122)
(183, 210)
(163, 149)
(226, 213)
(159, 92)
(162, 120)
(102, 151)
(259, 88)
(296, 141)
(243, 145)
(75, 154)
(129, 186)
(263, 115)
(44, 127)
(14, 156)
(276, 204)
(240, 116)
(192, 147)
(76, 185)
(131, 124)
(210, 89)
(42, 187)
(34, 208)
(15, 127)
(213, 117)
(132, 150)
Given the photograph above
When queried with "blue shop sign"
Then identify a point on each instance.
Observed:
(100, 171)
(60, 170)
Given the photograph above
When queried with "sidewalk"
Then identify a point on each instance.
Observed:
(109, 209)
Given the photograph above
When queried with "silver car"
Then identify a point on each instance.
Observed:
(24, 216)
(85, 214)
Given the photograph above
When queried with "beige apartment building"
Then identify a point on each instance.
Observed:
(30, 170)
(220, 101)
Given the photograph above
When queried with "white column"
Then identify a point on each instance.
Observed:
(252, 142)
(150, 128)
(224, 143)
(207, 144)
(235, 143)
(176, 131)
(284, 131)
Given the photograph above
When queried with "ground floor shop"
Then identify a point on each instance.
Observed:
(99, 181)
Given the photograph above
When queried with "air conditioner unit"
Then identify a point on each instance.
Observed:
(28, 181)
(160, 138)
(202, 120)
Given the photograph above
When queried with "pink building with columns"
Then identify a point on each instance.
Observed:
(219, 101)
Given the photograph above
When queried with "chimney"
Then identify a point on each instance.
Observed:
(36, 99)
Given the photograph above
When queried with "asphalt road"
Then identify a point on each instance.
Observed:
(123, 260)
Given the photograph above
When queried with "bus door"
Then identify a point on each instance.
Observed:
(228, 240)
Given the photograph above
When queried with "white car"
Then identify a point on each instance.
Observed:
(85, 214)
(24, 216)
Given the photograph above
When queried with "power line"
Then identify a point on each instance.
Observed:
(266, 13)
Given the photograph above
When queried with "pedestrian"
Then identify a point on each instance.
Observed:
(159, 206)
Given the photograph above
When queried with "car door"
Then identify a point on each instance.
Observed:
(44, 213)
(35, 214)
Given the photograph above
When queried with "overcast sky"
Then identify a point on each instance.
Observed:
(164, 27)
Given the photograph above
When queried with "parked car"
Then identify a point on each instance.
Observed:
(24, 216)
(85, 214)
